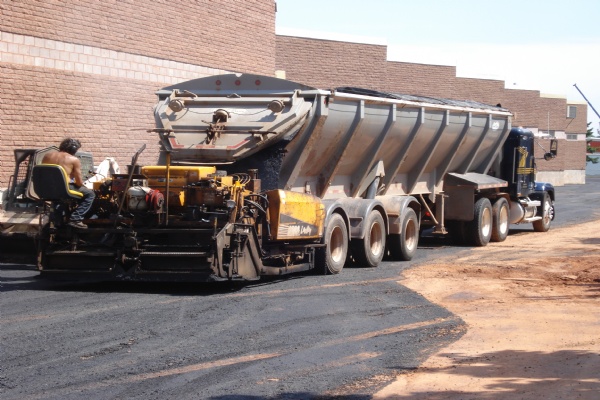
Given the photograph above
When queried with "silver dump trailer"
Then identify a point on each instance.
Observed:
(264, 176)
(335, 142)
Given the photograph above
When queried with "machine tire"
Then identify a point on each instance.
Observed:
(403, 247)
(546, 211)
(479, 230)
(331, 258)
(369, 252)
(500, 220)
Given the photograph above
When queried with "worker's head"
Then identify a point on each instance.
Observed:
(70, 145)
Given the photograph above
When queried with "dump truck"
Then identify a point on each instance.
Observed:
(264, 176)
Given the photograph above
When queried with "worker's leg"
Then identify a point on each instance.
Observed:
(84, 204)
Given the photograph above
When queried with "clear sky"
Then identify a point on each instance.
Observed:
(545, 45)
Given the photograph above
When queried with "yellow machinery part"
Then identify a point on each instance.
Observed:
(294, 215)
(179, 177)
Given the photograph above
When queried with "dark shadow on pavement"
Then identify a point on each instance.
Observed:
(519, 374)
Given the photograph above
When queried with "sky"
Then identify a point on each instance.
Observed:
(547, 45)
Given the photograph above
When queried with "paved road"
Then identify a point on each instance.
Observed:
(305, 336)
(578, 203)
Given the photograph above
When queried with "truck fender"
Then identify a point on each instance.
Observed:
(335, 207)
(355, 211)
(358, 212)
(541, 187)
(395, 207)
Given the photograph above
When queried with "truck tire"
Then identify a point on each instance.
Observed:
(546, 211)
(403, 247)
(331, 258)
(500, 220)
(369, 251)
(479, 230)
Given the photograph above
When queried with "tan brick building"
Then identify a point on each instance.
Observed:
(89, 69)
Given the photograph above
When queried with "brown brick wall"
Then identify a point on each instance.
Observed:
(487, 91)
(109, 116)
(230, 34)
(327, 64)
(574, 153)
(523, 105)
(571, 155)
(578, 124)
(551, 112)
(89, 69)
(420, 79)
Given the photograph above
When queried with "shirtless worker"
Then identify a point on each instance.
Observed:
(65, 157)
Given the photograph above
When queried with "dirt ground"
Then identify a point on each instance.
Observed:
(532, 309)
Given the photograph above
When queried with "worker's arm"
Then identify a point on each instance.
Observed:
(76, 173)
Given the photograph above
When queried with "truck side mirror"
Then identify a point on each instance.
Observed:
(553, 150)
(554, 147)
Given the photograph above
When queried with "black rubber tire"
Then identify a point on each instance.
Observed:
(546, 211)
(331, 258)
(479, 230)
(369, 252)
(500, 220)
(403, 247)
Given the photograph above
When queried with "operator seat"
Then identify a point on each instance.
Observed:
(51, 182)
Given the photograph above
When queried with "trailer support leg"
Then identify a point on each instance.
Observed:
(439, 217)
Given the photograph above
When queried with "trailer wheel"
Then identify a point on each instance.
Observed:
(500, 220)
(546, 211)
(369, 251)
(404, 246)
(479, 230)
(331, 258)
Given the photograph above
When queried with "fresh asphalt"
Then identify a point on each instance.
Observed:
(305, 336)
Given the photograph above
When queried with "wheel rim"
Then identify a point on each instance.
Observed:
(336, 244)
(503, 220)
(548, 210)
(376, 239)
(486, 222)
(411, 235)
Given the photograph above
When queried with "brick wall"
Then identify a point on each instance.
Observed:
(571, 155)
(89, 69)
(420, 79)
(522, 104)
(574, 153)
(578, 124)
(487, 91)
(229, 34)
(327, 64)
(109, 116)
(552, 112)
